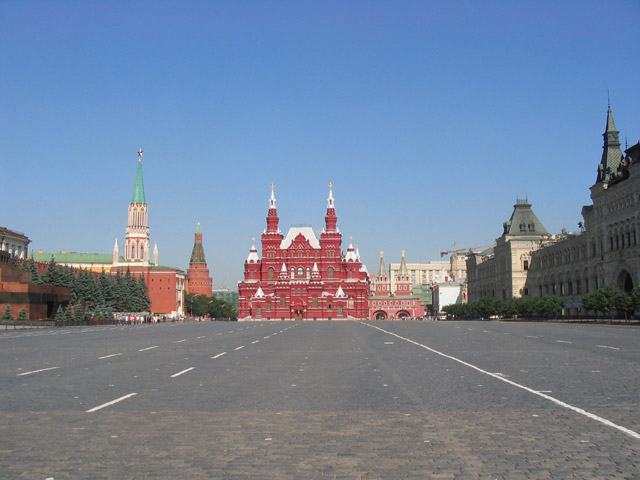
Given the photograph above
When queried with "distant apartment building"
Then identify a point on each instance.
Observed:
(432, 272)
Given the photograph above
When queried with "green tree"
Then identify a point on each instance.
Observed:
(6, 315)
(77, 313)
(59, 318)
(456, 310)
(67, 313)
(590, 301)
(222, 310)
(520, 306)
(33, 268)
(635, 298)
(487, 307)
(22, 316)
(550, 305)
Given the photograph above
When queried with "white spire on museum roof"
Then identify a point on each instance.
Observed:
(253, 253)
(330, 201)
(272, 200)
(351, 254)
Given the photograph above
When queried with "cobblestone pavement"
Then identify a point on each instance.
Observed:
(314, 400)
(534, 444)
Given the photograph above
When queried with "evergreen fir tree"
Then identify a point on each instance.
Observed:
(14, 260)
(50, 275)
(59, 315)
(33, 268)
(143, 295)
(77, 313)
(6, 315)
(22, 316)
(67, 313)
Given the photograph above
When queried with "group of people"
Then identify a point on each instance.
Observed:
(122, 319)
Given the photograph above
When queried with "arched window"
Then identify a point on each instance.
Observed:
(270, 273)
(330, 272)
(300, 272)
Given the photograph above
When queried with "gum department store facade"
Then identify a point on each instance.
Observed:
(528, 261)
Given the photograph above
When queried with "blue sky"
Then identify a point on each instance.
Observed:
(431, 118)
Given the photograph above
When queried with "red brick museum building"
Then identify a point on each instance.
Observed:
(301, 277)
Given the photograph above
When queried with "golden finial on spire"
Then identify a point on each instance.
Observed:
(403, 253)
(272, 185)
(253, 239)
(330, 184)
(350, 238)
(381, 253)
(139, 154)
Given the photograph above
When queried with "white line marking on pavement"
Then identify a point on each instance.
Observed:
(531, 336)
(148, 348)
(266, 337)
(388, 343)
(37, 371)
(604, 346)
(109, 356)
(219, 355)
(563, 341)
(203, 336)
(255, 341)
(590, 415)
(94, 409)
(183, 371)
(180, 341)
(239, 348)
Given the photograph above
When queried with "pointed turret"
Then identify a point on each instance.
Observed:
(198, 274)
(330, 218)
(382, 271)
(116, 252)
(272, 216)
(138, 186)
(283, 272)
(197, 254)
(403, 280)
(136, 243)
(351, 253)
(253, 253)
(611, 153)
(403, 266)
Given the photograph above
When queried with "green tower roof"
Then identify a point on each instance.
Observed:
(138, 187)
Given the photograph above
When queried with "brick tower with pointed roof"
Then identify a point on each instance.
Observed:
(198, 279)
(136, 242)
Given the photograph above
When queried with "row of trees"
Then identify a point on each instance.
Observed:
(607, 300)
(611, 299)
(489, 306)
(94, 296)
(199, 305)
(8, 318)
